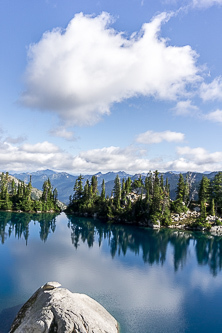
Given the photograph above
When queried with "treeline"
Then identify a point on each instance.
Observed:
(18, 196)
(130, 200)
(148, 199)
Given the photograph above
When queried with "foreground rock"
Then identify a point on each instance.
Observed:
(53, 309)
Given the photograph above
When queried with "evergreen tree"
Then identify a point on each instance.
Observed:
(87, 193)
(128, 185)
(212, 211)
(117, 192)
(217, 192)
(157, 193)
(203, 212)
(186, 194)
(78, 188)
(123, 191)
(180, 188)
(55, 196)
(3, 187)
(161, 182)
(167, 186)
(103, 192)
(13, 188)
(179, 205)
(138, 183)
(94, 184)
(204, 190)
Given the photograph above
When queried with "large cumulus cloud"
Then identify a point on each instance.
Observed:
(79, 72)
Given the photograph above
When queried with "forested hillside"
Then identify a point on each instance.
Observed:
(18, 196)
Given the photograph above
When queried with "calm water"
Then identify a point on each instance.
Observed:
(150, 281)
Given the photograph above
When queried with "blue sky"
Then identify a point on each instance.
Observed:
(89, 86)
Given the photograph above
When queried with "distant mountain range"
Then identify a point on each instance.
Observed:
(65, 182)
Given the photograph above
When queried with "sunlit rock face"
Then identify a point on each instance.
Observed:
(54, 309)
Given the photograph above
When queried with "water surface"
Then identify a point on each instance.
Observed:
(150, 281)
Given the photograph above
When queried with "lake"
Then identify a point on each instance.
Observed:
(150, 281)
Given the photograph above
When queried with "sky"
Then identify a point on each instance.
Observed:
(91, 86)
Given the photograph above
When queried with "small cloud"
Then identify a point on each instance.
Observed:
(19, 139)
(184, 108)
(151, 137)
(42, 147)
(206, 3)
(62, 132)
(212, 91)
(215, 116)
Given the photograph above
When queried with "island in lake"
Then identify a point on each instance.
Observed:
(147, 201)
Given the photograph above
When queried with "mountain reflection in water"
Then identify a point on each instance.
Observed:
(152, 244)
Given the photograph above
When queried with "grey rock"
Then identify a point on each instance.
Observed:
(54, 309)
(154, 225)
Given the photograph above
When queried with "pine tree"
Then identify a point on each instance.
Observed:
(179, 205)
(204, 190)
(78, 188)
(103, 192)
(167, 186)
(123, 191)
(180, 188)
(157, 193)
(212, 211)
(186, 194)
(55, 196)
(128, 185)
(161, 182)
(117, 192)
(94, 184)
(217, 192)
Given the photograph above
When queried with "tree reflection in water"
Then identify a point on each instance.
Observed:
(152, 245)
(18, 223)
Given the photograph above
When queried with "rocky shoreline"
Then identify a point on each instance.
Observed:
(182, 221)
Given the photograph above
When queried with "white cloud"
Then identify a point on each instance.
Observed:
(31, 157)
(206, 3)
(150, 137)
(212, 91)
(184, 108)
(62, 132)
(215, 116)
(200, 156)
(45, 155)
(43, 147)
(79, 72)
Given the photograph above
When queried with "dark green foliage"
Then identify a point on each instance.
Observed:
(216, 192)
(125, 205)
(18, 197)
(147, 199)
(204, 190)
(103, 192)
(117, 192)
